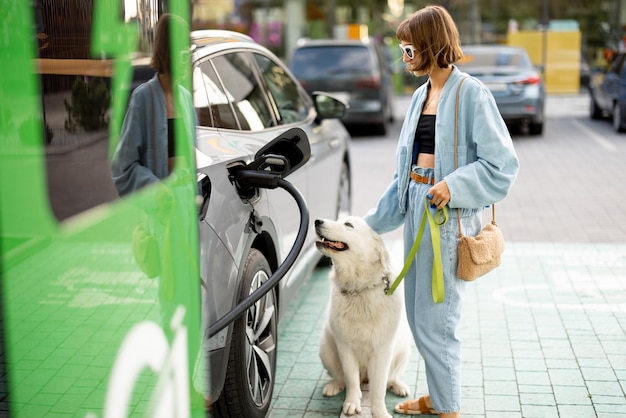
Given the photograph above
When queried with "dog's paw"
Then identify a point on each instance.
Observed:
(351, 408)
(380, 413)
(332, 388)
(399, 388)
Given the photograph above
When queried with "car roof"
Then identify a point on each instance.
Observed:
(305, 42)
(494, 56)
(205, 42)
(491, 48)
(202, 38)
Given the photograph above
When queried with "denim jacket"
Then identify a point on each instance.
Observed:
(487, 162)
(141, 155)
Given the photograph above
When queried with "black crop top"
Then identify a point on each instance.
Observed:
(424, 136)
(170, 138)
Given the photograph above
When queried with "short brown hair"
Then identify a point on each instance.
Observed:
(161, 61)
(434, 35)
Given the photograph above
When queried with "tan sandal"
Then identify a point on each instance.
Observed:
(403, 407)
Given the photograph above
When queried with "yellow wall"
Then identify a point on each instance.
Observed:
(350, 31)
(562, 67)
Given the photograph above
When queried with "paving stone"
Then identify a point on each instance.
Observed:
(543, 335)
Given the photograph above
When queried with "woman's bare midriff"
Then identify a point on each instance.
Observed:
(426, 160)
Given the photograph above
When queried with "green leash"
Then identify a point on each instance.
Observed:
(442, 218)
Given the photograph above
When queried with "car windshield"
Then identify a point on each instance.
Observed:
(495, 59)
(324, 61)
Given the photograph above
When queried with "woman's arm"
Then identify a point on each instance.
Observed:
(386, 216)
(129, 170)
(489, 176)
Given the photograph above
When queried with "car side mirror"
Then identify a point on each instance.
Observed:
(273, 162)
(329, 106)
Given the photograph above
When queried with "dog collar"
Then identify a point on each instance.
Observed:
(384, 282)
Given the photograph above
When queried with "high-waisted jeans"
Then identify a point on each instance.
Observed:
(434, 325)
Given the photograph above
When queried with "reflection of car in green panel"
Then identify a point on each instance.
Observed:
(83, 331)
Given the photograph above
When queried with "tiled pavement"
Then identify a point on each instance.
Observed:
(543, 336)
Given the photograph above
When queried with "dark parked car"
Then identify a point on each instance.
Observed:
(358, 72)
(515, 83)
(607, 93)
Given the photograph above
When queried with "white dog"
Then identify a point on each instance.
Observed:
(366, 337)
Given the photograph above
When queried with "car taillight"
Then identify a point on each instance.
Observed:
(368, 83)
(533, 79)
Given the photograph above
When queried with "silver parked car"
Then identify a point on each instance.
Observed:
(515, 83)
(245, 97)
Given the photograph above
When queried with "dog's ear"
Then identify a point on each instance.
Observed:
(381, 250)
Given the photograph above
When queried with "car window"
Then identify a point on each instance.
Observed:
(209, 99)
(616, 65)
(385, 59)
(284, 91)
(341, 60)
(242, 88)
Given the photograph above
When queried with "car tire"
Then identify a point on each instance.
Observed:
(618, 118)
(387, 118)
(251, 373)
(535, 128)
(594, 110)
(381, 128)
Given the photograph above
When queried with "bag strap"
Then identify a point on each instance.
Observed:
(456, 157)
(437, 273)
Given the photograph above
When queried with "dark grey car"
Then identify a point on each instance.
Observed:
(355, 71)
(515, 83)
(607, 93)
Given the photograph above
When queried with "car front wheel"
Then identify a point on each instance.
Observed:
(535, 128)
(252, 360)
(594, 110)
(618, 123)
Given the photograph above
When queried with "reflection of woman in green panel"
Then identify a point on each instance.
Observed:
(146, 149)
(145, 156)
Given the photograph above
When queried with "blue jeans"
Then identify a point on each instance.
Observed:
(434, 325)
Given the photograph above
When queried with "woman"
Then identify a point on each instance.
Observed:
(487, 168)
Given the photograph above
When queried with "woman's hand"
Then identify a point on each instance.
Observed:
(440, 194)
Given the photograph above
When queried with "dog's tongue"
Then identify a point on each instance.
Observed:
(334, 245)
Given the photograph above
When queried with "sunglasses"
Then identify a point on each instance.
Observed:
(409, 50)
